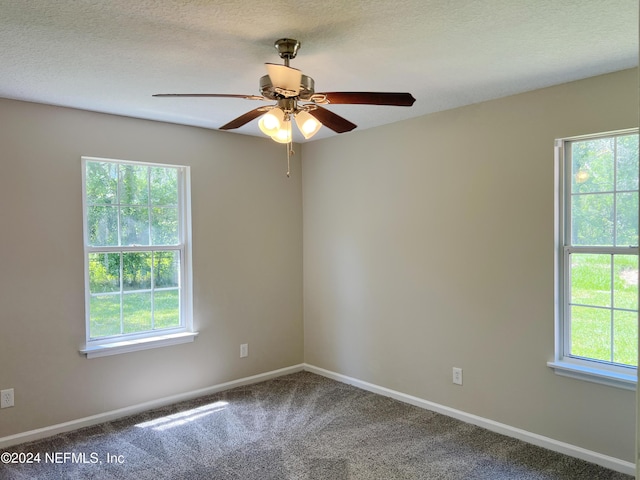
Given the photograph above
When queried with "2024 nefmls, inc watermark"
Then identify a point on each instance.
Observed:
(58, 458)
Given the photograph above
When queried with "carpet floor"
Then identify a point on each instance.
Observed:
(299, 426)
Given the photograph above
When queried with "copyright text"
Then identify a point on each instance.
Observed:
(92, 458)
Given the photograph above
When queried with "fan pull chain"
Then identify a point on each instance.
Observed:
(290, 153)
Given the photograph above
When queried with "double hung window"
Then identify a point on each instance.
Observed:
(597, 259)
(137, 255)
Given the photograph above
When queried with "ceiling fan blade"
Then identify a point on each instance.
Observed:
(223, 95)
(243, 119)
(286, 79)
(331, 120)
(370, 98)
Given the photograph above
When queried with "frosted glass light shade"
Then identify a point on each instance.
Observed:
(283, 135)
(286, 78)
(307, 124)
(271, 121)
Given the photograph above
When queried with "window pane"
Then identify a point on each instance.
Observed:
(602, 299)
(592, 219)
(627, 219)
(104, 315)
(104, 272)
(136, 270)
(136, 312)
(591, 279)
(626, 281)
(129, 205)
(101, 183)
(134, 225)
(167, 309)
(625, 338)
(592, 165)
(166, 269)
(627, 162)
(164, 186)
(134, 185)
(591, 333)
(164, 226)
(102, 226)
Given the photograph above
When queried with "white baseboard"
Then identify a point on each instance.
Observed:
(529, 437)
(6, 442)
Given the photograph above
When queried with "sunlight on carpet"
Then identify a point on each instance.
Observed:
(183, 418)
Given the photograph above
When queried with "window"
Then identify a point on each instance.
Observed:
(137, 256)
(597, 259)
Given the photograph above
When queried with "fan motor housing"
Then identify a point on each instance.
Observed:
(267, 89)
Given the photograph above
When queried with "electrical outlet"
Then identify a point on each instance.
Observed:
(6, 398)
(457, 376)
(244, 350)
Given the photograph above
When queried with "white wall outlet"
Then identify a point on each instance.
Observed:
(6, 398)
(457, 376)
(244, 350)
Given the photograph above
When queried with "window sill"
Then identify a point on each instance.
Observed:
(105, 349)
(595, 375)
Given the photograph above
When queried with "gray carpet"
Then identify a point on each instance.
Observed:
(300, 426)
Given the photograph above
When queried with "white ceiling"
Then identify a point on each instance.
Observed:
(112, 55)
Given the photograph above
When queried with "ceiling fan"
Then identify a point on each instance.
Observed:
(296, 98)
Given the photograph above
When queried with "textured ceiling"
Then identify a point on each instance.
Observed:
(112, 55)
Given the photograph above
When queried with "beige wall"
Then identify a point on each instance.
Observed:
(247, 263)
(428, 244)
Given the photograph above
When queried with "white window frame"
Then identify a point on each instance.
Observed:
(124, 343)
(564, 364)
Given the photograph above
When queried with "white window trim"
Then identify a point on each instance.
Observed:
(101, 347)
(589, 373)
(145, 343)
(564, 365)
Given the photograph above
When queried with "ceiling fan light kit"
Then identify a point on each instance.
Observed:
(271, 122)
(307, 124)
(284, 133)
(288, 86)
